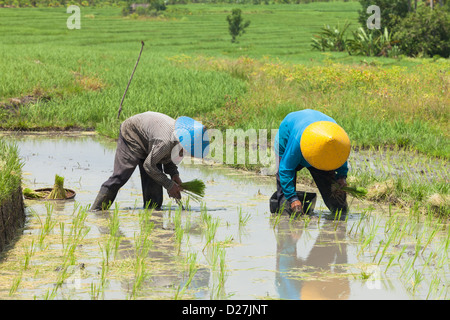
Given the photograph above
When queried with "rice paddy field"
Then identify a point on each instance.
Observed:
(227, 247)
(394, 245)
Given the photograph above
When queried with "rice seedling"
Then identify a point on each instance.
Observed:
(139, 269)
(114, 237)
(204, 215)
(306, 220)
(58, 191)
(105, 249)
(96, 291)
(417, 279)
(364, 275)
(28, 254)
(386, 246)
(46, 226)
(78, 230)
(362, 217)
(211, 229)
(219, 274)
(430, 238)
(433, 287)
(97, 287)
(337, 218)
(402, 251)
(179, 230)
(275, 218)
(142, 245)
(243, 219)
(195, 189)
(222, 269)
(77, 233)
(391, 260)
(447, 240)
(29, 193)
(416, 250)
(61, 232)
(191, 262)
(356, 192)
(145, 224)
(15, 284)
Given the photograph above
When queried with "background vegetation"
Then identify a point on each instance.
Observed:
(414, 29)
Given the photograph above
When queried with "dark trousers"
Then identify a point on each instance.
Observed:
(324, 181)
(124, 165)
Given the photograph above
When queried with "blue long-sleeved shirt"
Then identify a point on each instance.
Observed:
(287, 147)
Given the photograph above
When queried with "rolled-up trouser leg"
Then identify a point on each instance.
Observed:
(152, 192)
(124, 165)
(324, 181)
(104, 199)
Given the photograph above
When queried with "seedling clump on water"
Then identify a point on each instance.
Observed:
(58, 191)
(27, 192)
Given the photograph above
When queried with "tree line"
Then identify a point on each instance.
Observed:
(407, 27)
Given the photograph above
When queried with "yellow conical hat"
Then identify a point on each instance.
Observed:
(325, 145)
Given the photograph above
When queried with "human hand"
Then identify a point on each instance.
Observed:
(177, 180)
(342, 182)
(336, 188)
(175, 191)
(296, 206)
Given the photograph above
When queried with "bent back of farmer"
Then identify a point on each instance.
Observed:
(149, 140)
(310, 139)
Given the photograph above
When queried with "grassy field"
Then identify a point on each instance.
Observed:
(52, 77)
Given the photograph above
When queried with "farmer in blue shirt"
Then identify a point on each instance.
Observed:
(310, 139)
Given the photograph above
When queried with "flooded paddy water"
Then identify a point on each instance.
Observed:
(228, 247)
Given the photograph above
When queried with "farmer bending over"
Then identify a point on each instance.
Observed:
(155, 142)
(313, 140)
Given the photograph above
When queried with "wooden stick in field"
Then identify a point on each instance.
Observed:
(123, 97)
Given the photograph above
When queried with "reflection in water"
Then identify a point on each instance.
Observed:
(298, 253)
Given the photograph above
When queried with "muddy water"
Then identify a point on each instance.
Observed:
(318, 257)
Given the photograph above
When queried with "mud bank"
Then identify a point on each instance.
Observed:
(12, 217)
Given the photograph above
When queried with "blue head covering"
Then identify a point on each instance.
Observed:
(192, 136)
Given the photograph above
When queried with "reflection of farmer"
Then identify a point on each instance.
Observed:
(152, 140)
(315, 273)
(311, 139)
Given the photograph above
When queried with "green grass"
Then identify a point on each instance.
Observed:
(76, 78)
(10, 170)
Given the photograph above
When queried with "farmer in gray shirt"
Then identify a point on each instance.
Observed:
(155, 142)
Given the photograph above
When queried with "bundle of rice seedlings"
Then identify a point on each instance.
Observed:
(381, 190)
(29, 193)
(439, 203)
(58, 191)
(194, 188)
(357, 192)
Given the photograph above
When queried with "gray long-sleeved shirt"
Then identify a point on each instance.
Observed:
(150, 136)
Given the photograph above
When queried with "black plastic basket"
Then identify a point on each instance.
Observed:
(308, 200)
